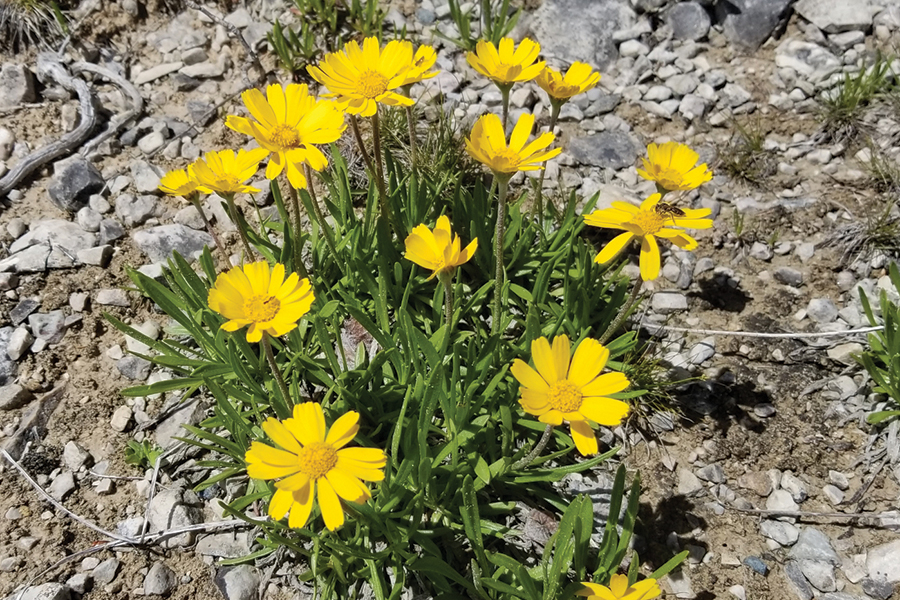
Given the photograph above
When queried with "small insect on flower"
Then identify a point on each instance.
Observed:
(665, 209)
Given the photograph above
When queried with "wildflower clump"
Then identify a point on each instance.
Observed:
(439, 250)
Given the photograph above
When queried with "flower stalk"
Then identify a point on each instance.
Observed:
(320, 217)
(270, 356)
(413, 144)
(502, 189)
(446, 278)
(195, 200)
(539, 194)
(232, 209)
(623, 311)
(536, 451)
(298, 249)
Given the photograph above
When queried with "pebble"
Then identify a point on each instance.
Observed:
(798, 583)
(805, 251)
(633, 48)
(792, 484)
(62, 486)
(759, 483)
(80, 582)
(19, 342)
(160, 580)
(75, 456)
(666, 303)
(702, 352)
(820, 574)
(45, 591)
(788, 276)
(738, 592)
(50, 327)
(145, 177)
(135, 210)
(154, 73)
(766, 410)
(121, 418)
(73, 182)
(106, 572)
(814, 545)
(882, 561)
(89, 219)
(822, 310)
(785, 534)
(159, 242)
(16, 228)
(688, 20)
(781, 500)
(134, 367)
(90, 563)
(79, 301)
(880, 590)
(16, 85)
(713, 473)
(756, 563)
(11, 564)
(845, 353)
(168, 510)
(688, 483)
(839, 480)
(607, 150)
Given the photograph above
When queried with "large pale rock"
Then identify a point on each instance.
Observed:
(835, 17)
(581, 30)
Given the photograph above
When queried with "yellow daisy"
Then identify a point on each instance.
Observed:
(361, 78)
(438, 250)
(672, 167)
(648, 222)
(424, 59)
(312, 458)
(508, 64)
(181, 182)
(487, 144)
(578, 79)
(225, 172)
(259, 297)
(288, 122)
(620, 590)
(571, 390)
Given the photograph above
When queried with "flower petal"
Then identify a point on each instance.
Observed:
(584, 437)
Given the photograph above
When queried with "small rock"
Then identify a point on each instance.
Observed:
(814, 545)
(145, 176)
(133, 210)
(788, 276)
(80, 582)
(797, 581)
(688, 483)
(19, 342)
(666, 303)
(835, 17)
(795, 486)
(713, 473)
(761, 251)
(633, 48)
(106, 572)
(834, 495)
(105, 487)
(74, 181)
(46, 591)
(16, 85)
(79, 301)
(882, 562)
(844, 353)
(89, 219)
(238, 583)
(121, 419)
(765, 410)
(702, 352)
(607, 150)
(738, 592)
(110, 231)
(688, 20)
(11, 564)
(74, 456)
(781, 500)
(159, 242)
(62, 486)
(880, 590)
(839, 480)
(112, 297)
(758, 482)
(757, 565)
(822, 310)
(50, 327)
(160, 580)
(134, 367)
(785, 534)
(819, 157)
(819, 573)
(154, 73)
(151, 142)
(98, 256)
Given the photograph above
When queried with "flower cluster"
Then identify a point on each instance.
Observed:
(309, 465)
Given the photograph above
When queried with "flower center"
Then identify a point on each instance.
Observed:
(285, 136)
(372, 84)
(317, 459)
(669, 178)
(565, 396)
(649, 221)
(260, 309)
(507, 161)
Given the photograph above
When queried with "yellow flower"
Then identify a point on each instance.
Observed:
(575, 392)
(508, 64)
(578, 79)
(255, 296)
(648, 222)
(620, 590)
(288, 122)
(671, 166)
(360, 79)
(225, 172)
(424, 59)
(438, 251)
(312, 458)
(487, 144)
(180, 182)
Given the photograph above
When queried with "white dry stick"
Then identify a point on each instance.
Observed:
(812, 334)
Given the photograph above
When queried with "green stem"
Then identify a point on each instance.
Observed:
(298, 248)
(270, 356)
(326, 228)
(535, 452)
(623, 311)
(195, 200)
(447, 279)
(539, 199)
(232, 208)
(503, 187)
(413, 144)
(504, 93)
(354, 125)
